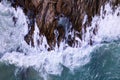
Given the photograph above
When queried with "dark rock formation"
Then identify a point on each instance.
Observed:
(47, 14)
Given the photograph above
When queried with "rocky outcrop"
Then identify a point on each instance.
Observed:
(48, 13)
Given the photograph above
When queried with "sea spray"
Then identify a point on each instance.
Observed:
(51, 62)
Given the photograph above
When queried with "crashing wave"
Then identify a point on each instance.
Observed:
(16, 51)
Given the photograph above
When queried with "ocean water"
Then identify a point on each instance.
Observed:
(104, 65)
(19, 61)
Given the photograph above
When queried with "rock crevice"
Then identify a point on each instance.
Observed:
(47, 14)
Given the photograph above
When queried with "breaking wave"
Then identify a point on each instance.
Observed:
(14, 50)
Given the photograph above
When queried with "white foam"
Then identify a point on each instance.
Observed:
(109, 27)
(11, 34)
(42, 60)
(50, 61)
(38, 57)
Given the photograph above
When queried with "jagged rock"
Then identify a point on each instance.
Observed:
(47, 14)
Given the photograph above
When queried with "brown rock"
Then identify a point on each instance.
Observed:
(47, 13)
(36, 3)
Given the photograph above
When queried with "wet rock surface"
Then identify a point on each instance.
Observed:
(48, 13)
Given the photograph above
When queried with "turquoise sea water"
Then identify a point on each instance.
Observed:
(104, 65)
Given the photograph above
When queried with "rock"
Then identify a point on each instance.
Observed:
(47, 14)
(36, 3)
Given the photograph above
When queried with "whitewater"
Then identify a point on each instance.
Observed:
(15, 51)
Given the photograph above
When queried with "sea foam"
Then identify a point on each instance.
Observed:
(38, 57)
